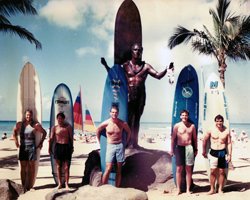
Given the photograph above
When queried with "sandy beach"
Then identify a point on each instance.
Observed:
(238, 185)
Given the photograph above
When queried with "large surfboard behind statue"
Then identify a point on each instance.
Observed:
(128, 31)
(115, 93)
(29, 97)
(61, 102)
(186, 97)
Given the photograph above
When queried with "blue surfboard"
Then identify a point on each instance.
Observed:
(115, 92)
(186, 97)
(61, 102)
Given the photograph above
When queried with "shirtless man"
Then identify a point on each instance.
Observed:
(27, 129)
(220, 152)
(184, 147)
(136, 72)
(115, 148)
(62, 134)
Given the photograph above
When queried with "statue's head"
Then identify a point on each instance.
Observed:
(136, 50)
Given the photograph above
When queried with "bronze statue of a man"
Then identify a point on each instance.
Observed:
(136, 72)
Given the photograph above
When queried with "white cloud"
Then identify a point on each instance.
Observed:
(74, 13)
(86, 50)
(65, 13)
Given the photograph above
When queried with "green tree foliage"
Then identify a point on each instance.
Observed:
(230, 39)
(10, 8)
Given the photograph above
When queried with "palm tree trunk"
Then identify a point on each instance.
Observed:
(222, 67)
(222, 75)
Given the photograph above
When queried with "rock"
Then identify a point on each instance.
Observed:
(143, 169)
(93, 162)
(95, 177)
(10, 190)
(105, 192)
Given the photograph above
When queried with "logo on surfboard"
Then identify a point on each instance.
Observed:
(187, 92)
(61, 101)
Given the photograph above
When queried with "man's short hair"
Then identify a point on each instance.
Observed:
(60, 114)
(184, 111)
(218, 117)
(114, 106)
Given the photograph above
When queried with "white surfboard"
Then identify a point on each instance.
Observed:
(29, 97)
(215, 103)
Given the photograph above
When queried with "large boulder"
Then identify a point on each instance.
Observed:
(143, 169)
(105, 192)
(10, 190)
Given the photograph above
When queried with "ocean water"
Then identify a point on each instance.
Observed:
(147, 128)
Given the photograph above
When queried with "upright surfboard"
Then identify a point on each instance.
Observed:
(115, 93)
(29, 97)
(61, 102)
(127, 31)
(215, 103)
(186, 97)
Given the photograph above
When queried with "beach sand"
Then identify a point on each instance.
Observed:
(238, 185)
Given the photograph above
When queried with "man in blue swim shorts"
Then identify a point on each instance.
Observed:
(219, 154)
(115, 148)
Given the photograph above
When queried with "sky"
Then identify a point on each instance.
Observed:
(76, 34)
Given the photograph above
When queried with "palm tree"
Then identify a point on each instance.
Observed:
(231, 38)
(12, 7)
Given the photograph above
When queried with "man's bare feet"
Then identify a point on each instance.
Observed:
(220, 192)
(178, 192)
(59, 187)
(67, 187)
(210, 192)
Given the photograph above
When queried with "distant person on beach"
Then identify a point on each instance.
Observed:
(4, 136)
(27, 129)
(136, 72)
(220, 153)
(243, 138)
(115, 147)
(233, 136)
(184, 147)
(62, 135)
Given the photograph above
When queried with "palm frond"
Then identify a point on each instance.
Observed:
(203, 47)
(21, 32)
(221, 8)
(245, 27)
(4, 20)
(213, 41)
(216, 23)
(239, 52)
(13, 7)
(180, 35)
